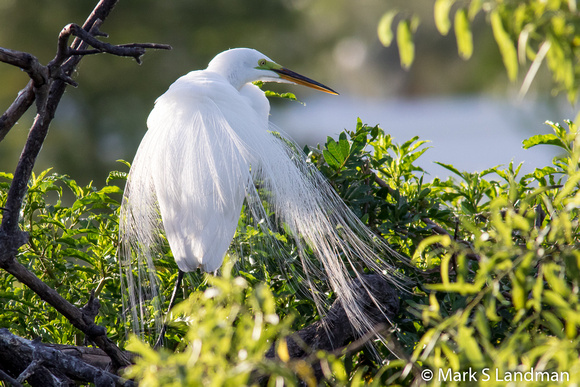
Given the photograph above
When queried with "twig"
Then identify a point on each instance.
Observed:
(435, 227)
(61, 67)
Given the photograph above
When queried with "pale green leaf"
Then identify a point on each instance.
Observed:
(542, 139)
(463, 34)
(505, 44)
(384, 29)
(518, 294)
(451, 168)
(405, 44)
(474, 8)
(441, 12)
(469, 346)
(553, 323)
(481, 323)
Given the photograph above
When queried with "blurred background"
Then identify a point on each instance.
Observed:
(467, 109)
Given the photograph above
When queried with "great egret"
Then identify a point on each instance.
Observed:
(208, 140)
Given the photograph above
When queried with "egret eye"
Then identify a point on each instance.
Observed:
(262, 62)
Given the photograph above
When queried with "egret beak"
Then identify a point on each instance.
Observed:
(298, 79)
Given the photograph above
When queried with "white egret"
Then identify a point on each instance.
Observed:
(208, 140)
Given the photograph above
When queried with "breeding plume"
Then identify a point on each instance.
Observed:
(208, 142)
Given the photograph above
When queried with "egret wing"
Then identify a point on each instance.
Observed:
(197, 168)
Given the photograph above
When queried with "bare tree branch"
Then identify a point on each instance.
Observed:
(21, 104)
(66, 59)
(47, 87)
(135, 50)
(41, 364)
(29, 63)
(76, 316)
(8, 379)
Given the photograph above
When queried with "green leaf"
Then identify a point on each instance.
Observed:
(474, 8)
(470, 346)
(336, 151)
(553, 323)
(451, 168)
(384, 29)
(554, 299)
(463, 34)
(405, 44)
(125, 162)
(543, 139)
(116, 175)
(410, 158)
(290, 96)
(518, 294)
(111, 189)
(556, 282)
(505, 44)
(344, 148)
(332, 154)
(481, 322)
(441, 13)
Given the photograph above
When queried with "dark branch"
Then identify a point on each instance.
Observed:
(26, 62)
(21, 104)
(135, 50)
(384, 184)
(47, 88)
(41, 364)
(63, 64)
(76, 316)
(6, 378)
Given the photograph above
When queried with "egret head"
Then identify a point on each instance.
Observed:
(243, 65)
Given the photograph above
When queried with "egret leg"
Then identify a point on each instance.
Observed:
(161, 337)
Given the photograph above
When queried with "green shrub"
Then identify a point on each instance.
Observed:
(497, 274)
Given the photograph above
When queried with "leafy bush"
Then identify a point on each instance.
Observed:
(508, 296)
(497, 273)
(72, 248)
(229, 328)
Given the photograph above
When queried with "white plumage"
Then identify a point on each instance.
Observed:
(208, 141)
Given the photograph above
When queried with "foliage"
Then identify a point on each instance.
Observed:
(508, 296)
(497, 273)
(530, 30)
(72, 248)
(395, 208)
(229, 327)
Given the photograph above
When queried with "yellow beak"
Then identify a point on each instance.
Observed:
(298, 79)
